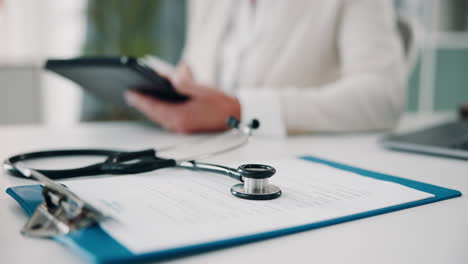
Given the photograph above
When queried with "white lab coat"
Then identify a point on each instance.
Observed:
(315, 66)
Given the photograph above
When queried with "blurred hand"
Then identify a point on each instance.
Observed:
(207, 109)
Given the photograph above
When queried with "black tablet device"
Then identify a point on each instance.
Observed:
(109, 77)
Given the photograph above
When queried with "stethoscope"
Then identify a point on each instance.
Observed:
(253, 177)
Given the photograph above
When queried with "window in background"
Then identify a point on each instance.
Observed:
(133, 28)
(439, 82)
(32, 31)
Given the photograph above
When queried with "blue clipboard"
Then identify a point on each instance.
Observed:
(97, 246)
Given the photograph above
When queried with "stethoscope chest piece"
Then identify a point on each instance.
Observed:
(256, 186)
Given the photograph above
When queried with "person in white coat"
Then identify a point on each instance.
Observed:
(299, 66)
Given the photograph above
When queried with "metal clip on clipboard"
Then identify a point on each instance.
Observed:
(61, 212)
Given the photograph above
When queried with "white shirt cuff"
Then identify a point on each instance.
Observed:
(266, 107)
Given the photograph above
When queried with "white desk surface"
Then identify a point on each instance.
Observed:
(434, 233)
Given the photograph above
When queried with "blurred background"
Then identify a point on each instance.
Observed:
(32, 31)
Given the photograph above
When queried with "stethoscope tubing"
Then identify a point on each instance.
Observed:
(93, 169)
(114, 165)
(254, 184)
(208, 167)
(9, 164)
(152, 162)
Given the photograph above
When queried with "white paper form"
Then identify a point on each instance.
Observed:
(176, 207)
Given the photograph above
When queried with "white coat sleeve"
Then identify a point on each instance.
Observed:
(370, 95)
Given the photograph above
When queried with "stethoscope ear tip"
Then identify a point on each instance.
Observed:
(254, 124)
(232, 122)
